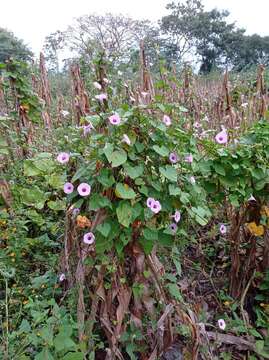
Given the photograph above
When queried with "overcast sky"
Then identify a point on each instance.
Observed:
(32, 20)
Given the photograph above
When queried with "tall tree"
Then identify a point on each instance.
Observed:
(190, 30)
(117, 35)
(179, 26)
(54, 43)
(12, 47)
(251, 50)
(215, 39)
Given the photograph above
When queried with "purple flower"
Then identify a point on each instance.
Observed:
(68, 188)
(166, 120)
(173, 158)
(177, 216)
(173, 228)
(101, 97)
(156, 207)
(126, 139)
(189, 158)
(63, 158)
(192, 180)
(221, 324)
(196, 125)
(89, 238)
(222, 229)
(222, 137)
(75, 212)
(87, 129)
(62, 277)
(115, 119)
(97, 85)
(150, 202)
(144, 94)
(84, 189)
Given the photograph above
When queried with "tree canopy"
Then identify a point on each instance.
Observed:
(187, 32)
(11, 46)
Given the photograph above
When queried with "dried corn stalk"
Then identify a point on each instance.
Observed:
(146, 85)
(45, 92)
(81, 104)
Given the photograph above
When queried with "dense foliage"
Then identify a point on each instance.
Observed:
(188, 33)
(10, 46)
(133, 230)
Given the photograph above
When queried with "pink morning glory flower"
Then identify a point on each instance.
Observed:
(62, 277)
(173, 228)
(173, 158)
(222, 229)
(221, 324)
(144, 93)
(75, 212)
(189, 158)
(84, 189)
(222, 137)
(166, 120)
(68, 188)
(87, 129)
(192, 180)
(156, 207)
(196, 125)
(101, 97)
(63, 158)
(89, 238)
(115, 119)
(177, 216)
(150, 202)
(97, 85)
(126, 139)
(105, 80)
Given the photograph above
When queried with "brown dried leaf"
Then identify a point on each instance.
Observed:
(124, 297)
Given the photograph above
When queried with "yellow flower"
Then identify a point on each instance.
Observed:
(83, 222)
(254, 229)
